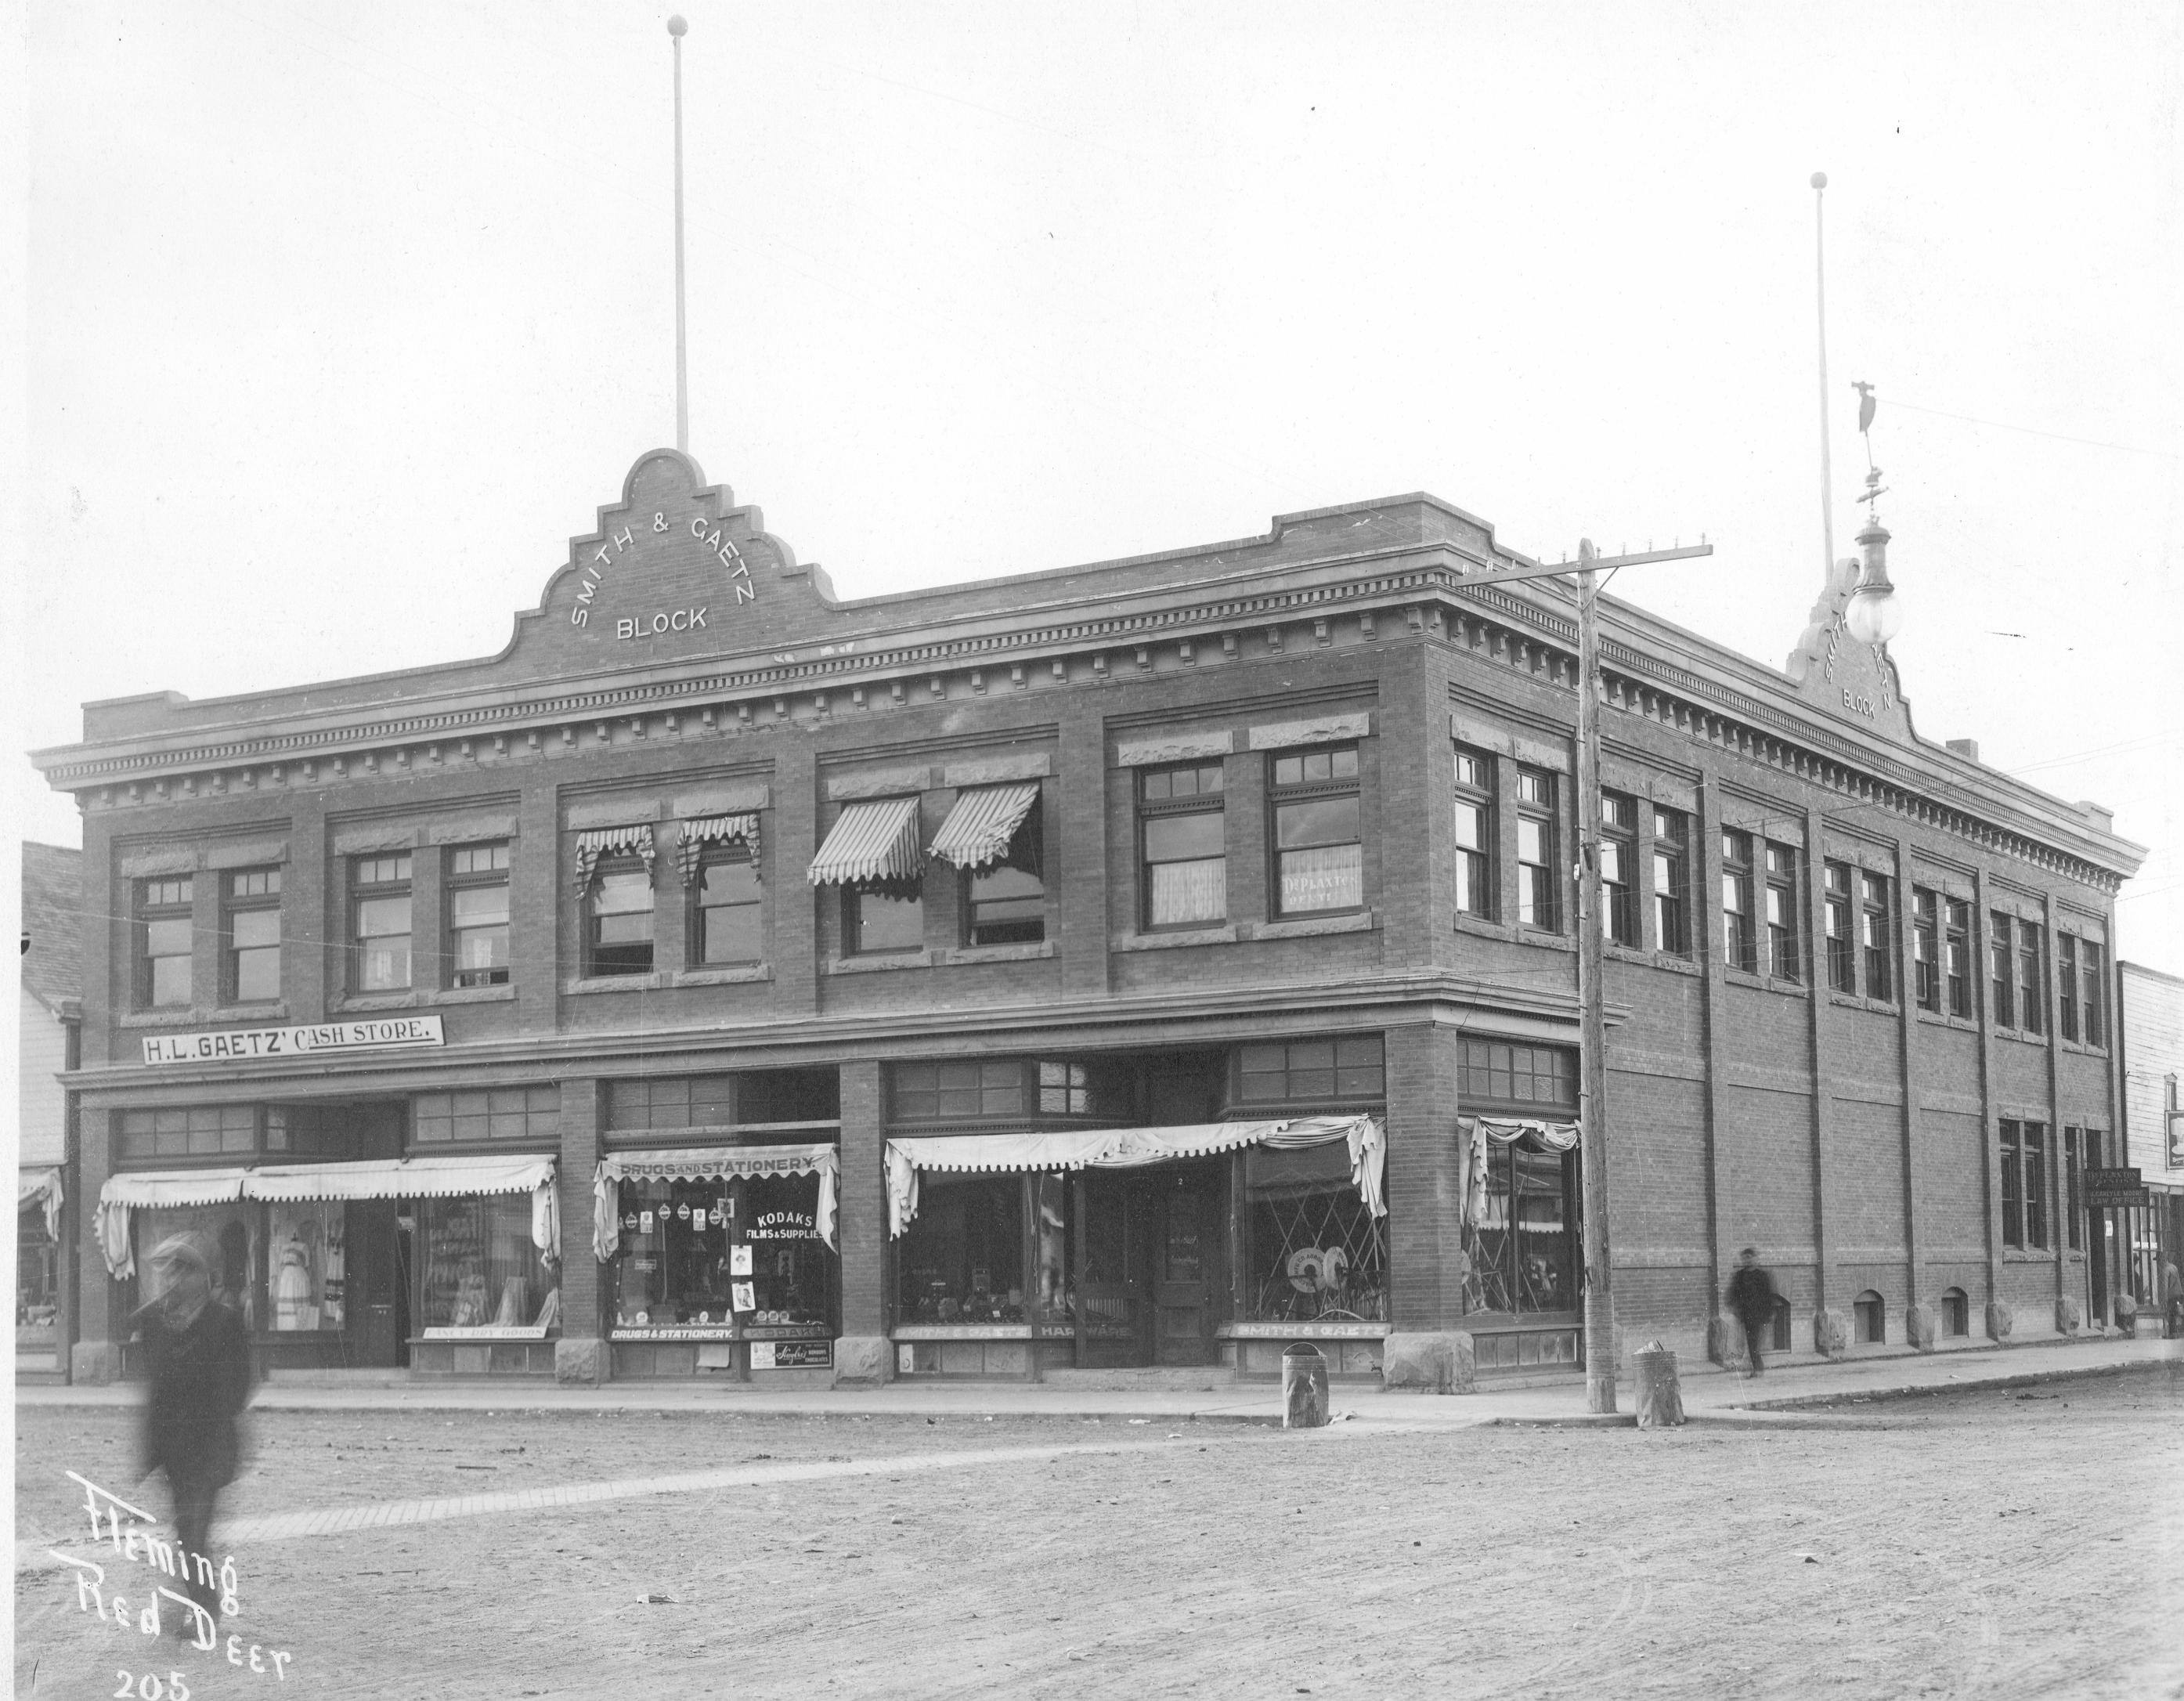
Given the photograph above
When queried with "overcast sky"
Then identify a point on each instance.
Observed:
(343, 318)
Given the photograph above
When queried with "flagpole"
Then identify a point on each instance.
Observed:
(677, 28)
(1827, 475)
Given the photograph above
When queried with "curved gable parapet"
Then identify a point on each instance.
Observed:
(1848, 678)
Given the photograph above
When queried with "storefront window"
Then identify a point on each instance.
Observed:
(1053, 1291)
(481, 1268)
(37, 1288)
(307, 1266)
(788, 1285)
(228, 1233)
(962, 1258)
(673, 1268)
(1313, 1250)
(1522, 1259)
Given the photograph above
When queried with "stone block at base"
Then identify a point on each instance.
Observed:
(1428, 1363)
(1830, 1335)
(2068, 1317)
(1918, 1327)
(95, 1363)
(586, 1362)
(863, 1361)
(2000, 1320)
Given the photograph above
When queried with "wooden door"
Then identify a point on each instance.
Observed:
(1190, 1261)
(1114, 1314)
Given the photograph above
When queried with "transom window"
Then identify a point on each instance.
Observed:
(673, 1101)
(164, 938)
(1499, 1072)
(1184, 873)
(1349, 1070)
(1474, 834)
(1318, 856)
(477, 913)
(525, 1112)
(969, 1089)
(379, 917)
(192, 1131)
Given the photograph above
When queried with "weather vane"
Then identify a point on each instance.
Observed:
(1874, 492)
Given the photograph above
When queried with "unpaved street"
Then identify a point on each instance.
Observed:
(1998, 1543)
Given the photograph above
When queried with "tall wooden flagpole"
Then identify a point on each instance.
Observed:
(677, 28)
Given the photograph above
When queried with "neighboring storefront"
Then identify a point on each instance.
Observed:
(50, 1013)
(2152, 1236)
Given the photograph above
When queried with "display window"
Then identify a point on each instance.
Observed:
(741, 1257)
(1313, 1249)
(1522, 1253)
(307, 1266)
(962, 1258)
(673, 1265)
(229, 1232)
(481, 1272)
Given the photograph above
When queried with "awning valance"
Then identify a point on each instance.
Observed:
(985, 819)
(393, 1178)
(871, 842)
(1129, 1148)
(1483, 1133)
(713, 829)
(41, 1185)
(633, 840)
(710, 1163)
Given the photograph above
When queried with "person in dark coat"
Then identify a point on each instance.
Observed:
(1753, 1298)
(198, 1360)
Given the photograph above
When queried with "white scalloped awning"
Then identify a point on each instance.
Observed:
(1485, 1132)
(41, 1185)
(979, 829)
(393, 1178)
(710, 1163)
(1129, 1148)
(870, 841)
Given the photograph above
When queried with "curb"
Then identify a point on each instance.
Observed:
(2027, 1379)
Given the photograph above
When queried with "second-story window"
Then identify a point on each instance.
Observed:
(1474, 834)
(1320, 858)
(2002, 966)
(1956, 959)
(1184, 875)
(619, 930)
(1740, 934)
(1539, 857)
(379, 923)
(2031, 993)
(1671, 883)
(477, 913)
(250, 971)
(165, 937)
(1927, 948)
(1785, 960)
(1876, 936)
(1618, 863)
(728, 916)
(1842, 926)
(2066, 985)
(2096, 996)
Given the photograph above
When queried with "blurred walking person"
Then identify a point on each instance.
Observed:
(199, 1363)
(1753, 1298)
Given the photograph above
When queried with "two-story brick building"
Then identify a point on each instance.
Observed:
(1148, 963)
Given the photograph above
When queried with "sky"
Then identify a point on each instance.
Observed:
(340, 319)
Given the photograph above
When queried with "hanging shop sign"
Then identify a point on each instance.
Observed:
(318, 1039)
(2114, 1189)
(792, 1355)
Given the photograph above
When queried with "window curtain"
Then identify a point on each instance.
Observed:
(610, 841)
(714, 829)
(41, 1187)
(1189, 891)
(1481, 1132)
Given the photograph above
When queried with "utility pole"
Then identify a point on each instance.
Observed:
(1592, 1031)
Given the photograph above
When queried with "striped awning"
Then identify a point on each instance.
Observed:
(635, 840)
(714, 829)
(985, 819)
(871, 842)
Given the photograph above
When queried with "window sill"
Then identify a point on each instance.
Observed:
(2022, 1037)
(1030, 951)
(1468, 923)
(879, 961)
(654, 982)
(1935, 1018)
(1183, 936)
(1311, 926)
(1846, 1000)
(421, 999)
(741, 975)
(2028, 1255)
(2082, 1048)
(1763, 983)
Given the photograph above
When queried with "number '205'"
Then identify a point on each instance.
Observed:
(148, 1687)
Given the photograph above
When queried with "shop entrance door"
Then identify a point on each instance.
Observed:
(375, 1283)
(1153, 1256)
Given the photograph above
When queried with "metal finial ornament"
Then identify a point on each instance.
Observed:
(677, 25)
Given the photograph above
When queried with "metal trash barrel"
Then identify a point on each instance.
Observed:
(1304, 1387)
(1660, 1396)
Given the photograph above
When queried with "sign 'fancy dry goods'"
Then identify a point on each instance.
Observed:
(383, 1034)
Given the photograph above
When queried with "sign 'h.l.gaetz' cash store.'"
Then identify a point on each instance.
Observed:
(383, 1034)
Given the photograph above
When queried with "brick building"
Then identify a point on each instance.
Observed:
(1153, 963)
